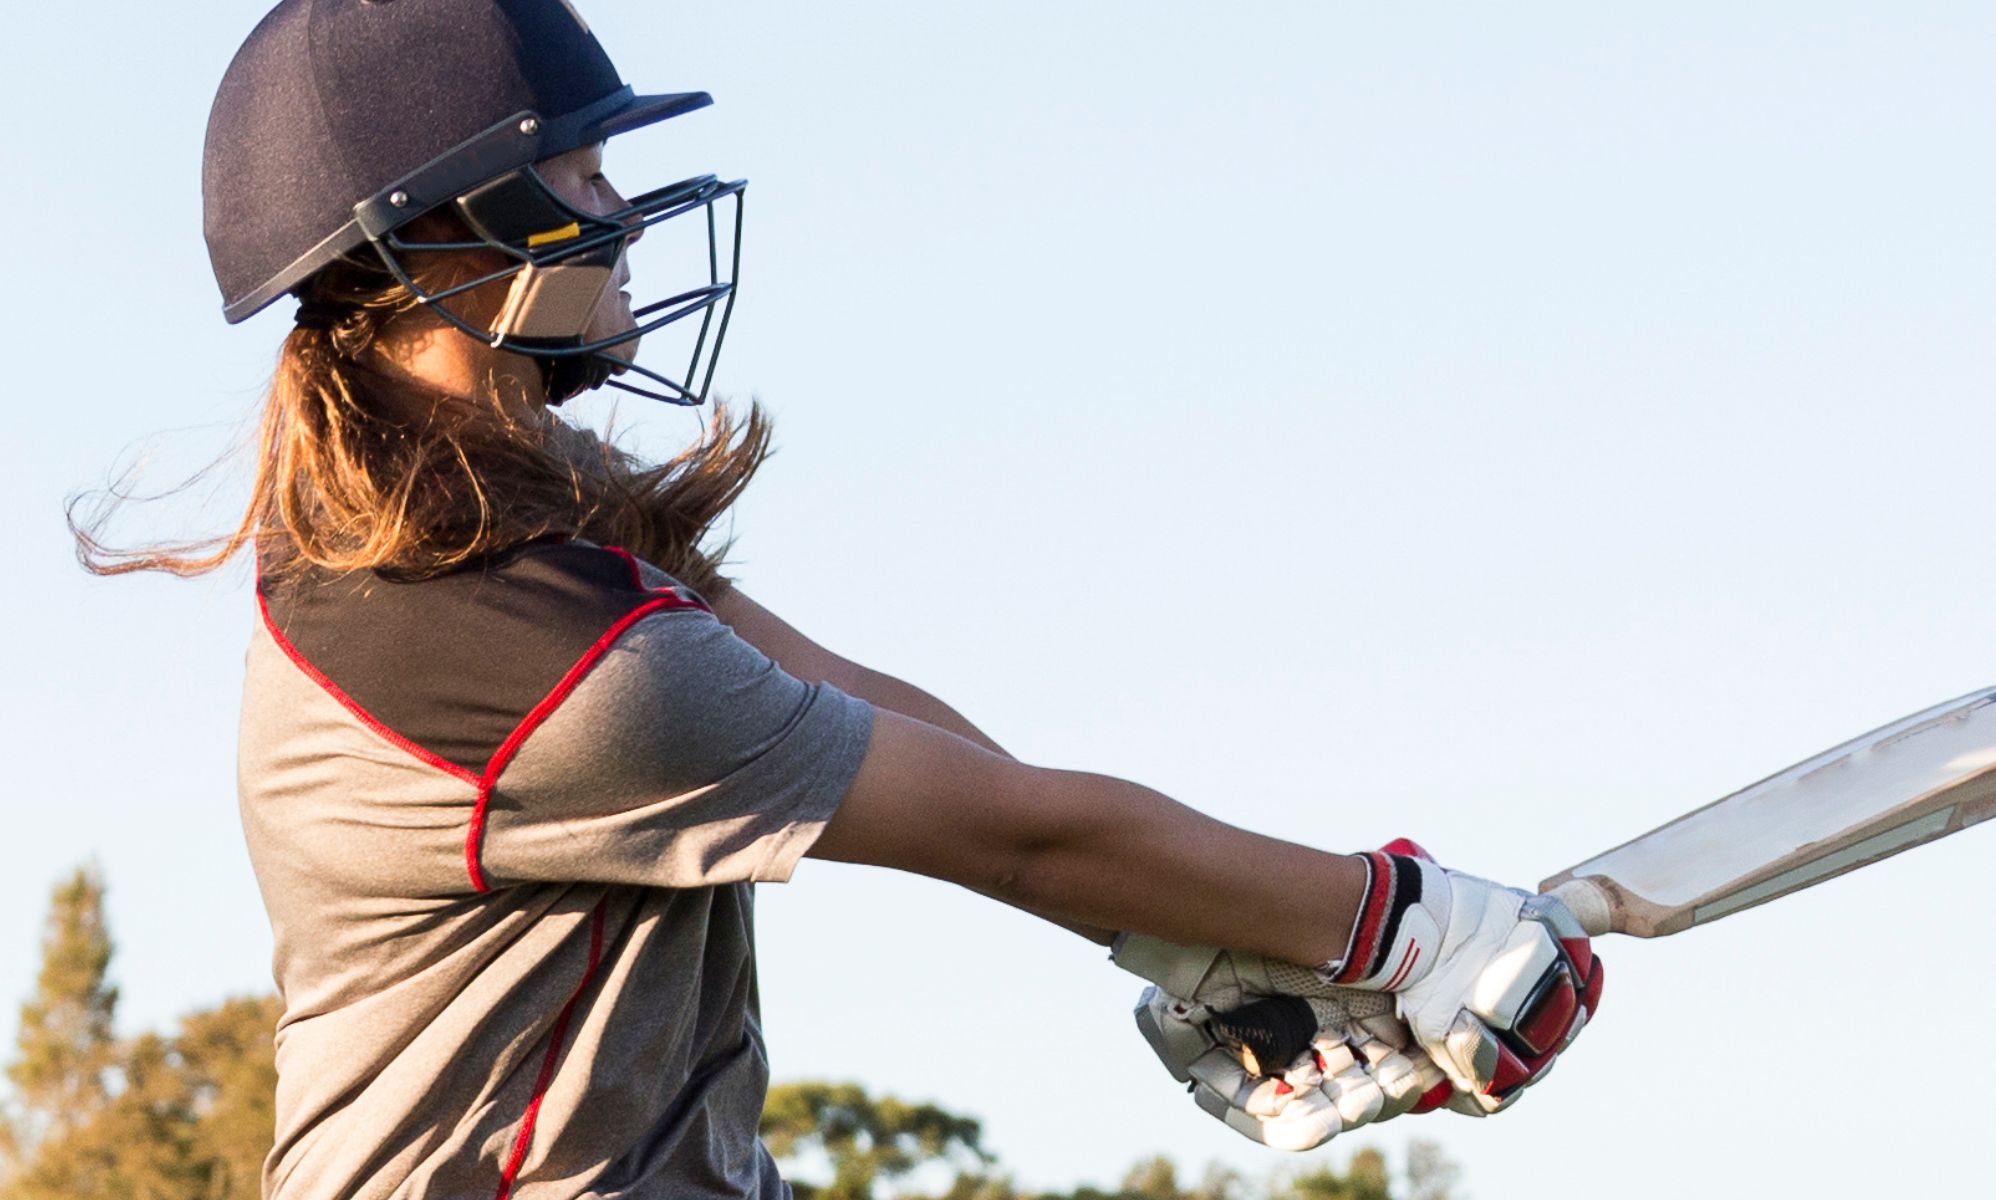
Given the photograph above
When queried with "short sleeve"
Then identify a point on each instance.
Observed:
(683, 758)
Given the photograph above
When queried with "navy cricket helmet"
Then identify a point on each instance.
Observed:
(341, 121)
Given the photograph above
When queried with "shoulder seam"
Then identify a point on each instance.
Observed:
(663, 600)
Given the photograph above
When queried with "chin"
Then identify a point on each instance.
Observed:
(611, 320)
(622, 353)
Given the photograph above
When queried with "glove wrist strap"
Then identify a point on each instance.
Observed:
(1392, 886)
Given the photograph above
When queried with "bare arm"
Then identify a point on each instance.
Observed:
(1087, 848)
(809, 661)
(812, 663)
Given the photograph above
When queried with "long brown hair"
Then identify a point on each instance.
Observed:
(357, 469)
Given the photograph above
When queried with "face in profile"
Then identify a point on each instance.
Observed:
(577, 177)
(427, 347)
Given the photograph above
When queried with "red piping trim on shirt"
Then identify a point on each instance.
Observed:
(663, 599)
(638, 580)
(556, 1039)
(366, 718)
(630, 560)
(474, 836)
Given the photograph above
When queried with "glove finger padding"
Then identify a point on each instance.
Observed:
(1515, 1016)
(1334, 1085)
(1584, 970)
(1348, 1081)
(1289, 1111)
(1408, 1079)
(1307, 1121)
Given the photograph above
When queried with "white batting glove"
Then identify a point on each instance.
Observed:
(1493, 981)
(1344, 1059)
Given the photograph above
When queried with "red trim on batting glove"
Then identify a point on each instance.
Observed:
(1581, 951)
(1364, 945)
(1434, 1097)
(1408, 847)
(1544, 1026)
(1590, 999)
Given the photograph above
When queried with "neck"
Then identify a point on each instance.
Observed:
(443, 360)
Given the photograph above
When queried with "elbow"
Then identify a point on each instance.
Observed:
(1014, 877)
(1041, 828)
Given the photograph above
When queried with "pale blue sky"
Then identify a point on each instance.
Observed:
(1504, 425)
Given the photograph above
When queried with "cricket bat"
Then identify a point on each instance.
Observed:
(1914, 781)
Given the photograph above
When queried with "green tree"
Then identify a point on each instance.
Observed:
(867, 1140)
(1154, 1178)
(227, 1061)
(981, 1185)
(154, 1117)
(64, 1049)
(1366, 1178)
(1430, 1173)
(90, 1116)
(135, 1146)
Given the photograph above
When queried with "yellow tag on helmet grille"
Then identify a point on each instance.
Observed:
(572, 229)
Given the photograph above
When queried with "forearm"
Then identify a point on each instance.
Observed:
(1081, 929)
(1132, 859)
(894, 695)
(1088, 850)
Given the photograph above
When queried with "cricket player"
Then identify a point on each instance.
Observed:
(514, 752)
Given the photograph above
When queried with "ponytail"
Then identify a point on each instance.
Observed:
(360, 469)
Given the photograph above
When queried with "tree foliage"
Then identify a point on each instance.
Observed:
(64, 1048)
(1364, 1179)
(182, 1116)
(1430, 1173)
(228, 1073)
(868, 1140)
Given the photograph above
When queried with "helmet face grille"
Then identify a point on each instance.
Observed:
(558, 262)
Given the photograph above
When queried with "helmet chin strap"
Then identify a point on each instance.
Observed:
(570, 375)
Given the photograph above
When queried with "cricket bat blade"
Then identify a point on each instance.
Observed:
(1914, 781)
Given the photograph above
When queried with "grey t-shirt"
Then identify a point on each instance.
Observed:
(506, 823)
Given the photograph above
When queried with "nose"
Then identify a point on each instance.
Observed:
(634, 221)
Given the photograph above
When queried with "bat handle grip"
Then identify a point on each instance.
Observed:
(1589, 902)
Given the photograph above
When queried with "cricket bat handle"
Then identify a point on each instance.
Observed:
(1590, 902)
